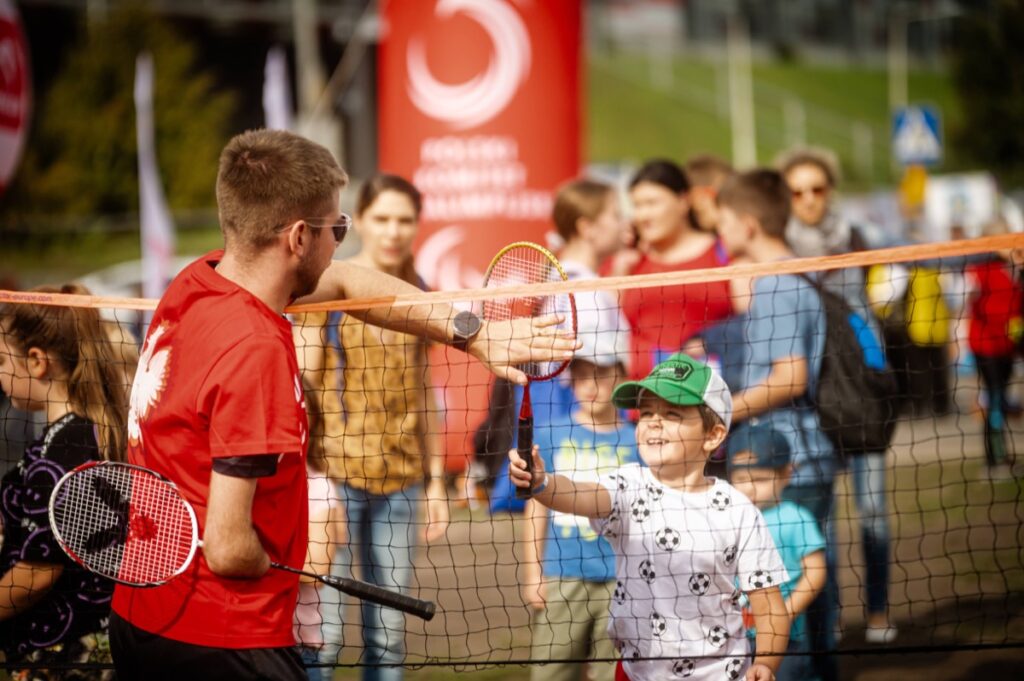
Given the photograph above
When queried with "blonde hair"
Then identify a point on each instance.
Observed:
(270, 177)
(582, 198)
(76, 339)
(707, 170)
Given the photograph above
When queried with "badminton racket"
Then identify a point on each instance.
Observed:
(521, 264)
(133, 526)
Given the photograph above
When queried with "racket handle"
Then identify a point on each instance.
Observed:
(369, 592)
(525, 449)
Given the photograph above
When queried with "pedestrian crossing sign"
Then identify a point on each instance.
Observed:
(917, 135)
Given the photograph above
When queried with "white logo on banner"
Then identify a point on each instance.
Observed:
(481, 98)
(439, 259)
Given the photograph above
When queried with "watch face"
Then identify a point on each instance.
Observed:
(466, 324)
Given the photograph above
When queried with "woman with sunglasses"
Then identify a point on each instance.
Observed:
(817, 228)
(381, 433)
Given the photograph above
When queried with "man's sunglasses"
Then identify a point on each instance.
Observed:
(818, 191)
(339, 228)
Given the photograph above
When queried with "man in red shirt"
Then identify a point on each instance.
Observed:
(217, 407)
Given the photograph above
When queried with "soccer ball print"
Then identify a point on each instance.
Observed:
(628, 651)
(667, 539)
(641, 510)
(733, 668)
(610, 523)
(717, 636)
(619, 595)
(730, 555)
(759, 579)
(655, 492)
(658, 625)
(647, 571)
(721, 500)
(699, 583)
(684, 667)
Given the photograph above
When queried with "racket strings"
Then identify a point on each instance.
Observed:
(125, 523)
(524, 266)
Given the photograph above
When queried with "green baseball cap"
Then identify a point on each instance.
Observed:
(681, 380)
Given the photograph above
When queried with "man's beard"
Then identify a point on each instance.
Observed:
(307, 277)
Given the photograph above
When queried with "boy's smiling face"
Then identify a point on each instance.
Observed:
(671, 438)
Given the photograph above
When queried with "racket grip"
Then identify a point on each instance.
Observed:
(525, 449)
(369, 592)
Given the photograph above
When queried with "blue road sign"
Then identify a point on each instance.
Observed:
(917, 135)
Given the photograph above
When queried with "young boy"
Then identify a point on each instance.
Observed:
(681, 540)
(759, 467)
(785, 342)
(568, 568)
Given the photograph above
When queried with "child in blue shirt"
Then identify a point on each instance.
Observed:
(568, 568)
(759, 467)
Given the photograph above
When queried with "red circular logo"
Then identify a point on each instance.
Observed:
(15, 91)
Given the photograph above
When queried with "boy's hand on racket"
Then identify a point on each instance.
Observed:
(502, 345)
(517, 469)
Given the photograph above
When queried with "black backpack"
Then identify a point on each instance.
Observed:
(855, 399)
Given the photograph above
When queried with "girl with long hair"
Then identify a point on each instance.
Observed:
(59, 361)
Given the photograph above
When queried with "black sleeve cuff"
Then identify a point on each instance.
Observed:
(256, 466)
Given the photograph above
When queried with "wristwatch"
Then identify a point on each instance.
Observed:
(465, 327)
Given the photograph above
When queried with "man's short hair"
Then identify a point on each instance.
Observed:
(707, 170)
(761, 193)
(580, 198)
(268, 178)
(824, 159)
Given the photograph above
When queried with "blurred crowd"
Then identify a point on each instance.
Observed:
(376, 464)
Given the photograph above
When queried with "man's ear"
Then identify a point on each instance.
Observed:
(38, 363)
(299, 237)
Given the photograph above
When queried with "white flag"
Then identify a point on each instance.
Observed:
(277, 94)
(157, 226)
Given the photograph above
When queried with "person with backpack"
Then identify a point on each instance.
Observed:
(785, 348)
(816, 228)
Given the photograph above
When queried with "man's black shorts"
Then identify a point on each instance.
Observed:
(141, 655)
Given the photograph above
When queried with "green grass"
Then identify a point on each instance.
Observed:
(631, 119)
(77, 254)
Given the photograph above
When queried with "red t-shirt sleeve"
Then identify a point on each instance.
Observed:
(251, 400)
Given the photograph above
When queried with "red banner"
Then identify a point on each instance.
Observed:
(479, 107)
(15, 91)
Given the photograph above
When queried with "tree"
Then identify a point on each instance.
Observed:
(81, 160)
(988, 74)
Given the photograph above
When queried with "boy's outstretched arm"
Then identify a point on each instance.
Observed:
(588, 499)
(772, 623)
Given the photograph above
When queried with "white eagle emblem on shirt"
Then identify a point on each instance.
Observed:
(150, 380)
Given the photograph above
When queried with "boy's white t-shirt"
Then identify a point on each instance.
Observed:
(678, 558)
